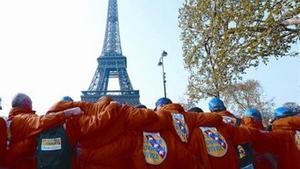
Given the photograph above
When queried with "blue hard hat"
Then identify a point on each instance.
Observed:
(162, 101)
(216, 104)
(67, 99)
(253, 113)
(283, 112)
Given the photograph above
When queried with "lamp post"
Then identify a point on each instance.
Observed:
(161, 63)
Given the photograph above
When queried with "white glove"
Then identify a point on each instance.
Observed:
(73, 111)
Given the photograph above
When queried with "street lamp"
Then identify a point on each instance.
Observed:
(161, 63)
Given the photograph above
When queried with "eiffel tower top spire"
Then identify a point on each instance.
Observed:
(112, 42)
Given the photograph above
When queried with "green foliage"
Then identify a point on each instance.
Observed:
(223, 38)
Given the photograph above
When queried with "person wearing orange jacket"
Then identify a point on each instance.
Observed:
(24, 126)
(98, 116)
(159, 144)
(284, 140)
(215, 146)
(97, 149)
(252, 118)
(149, 146)
(3, 139)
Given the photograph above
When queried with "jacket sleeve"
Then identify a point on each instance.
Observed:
(239, 135)
(138, 117)
(63, 105)
(294, 122)
(272, 142)
(31, 124)
(205, 119)
(3, 138)
(90, 124)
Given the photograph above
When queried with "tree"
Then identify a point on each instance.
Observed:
(186, 103)
(223, 38)
(248, 94)
(293, 106)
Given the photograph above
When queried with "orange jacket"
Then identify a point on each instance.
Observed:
(261, 160)
(115, 155)
(283, 142)
(212, 154)
(174, 126)
(192, 120)
(171, 153)
(252, 122)
(98, 116)
(96, 145)
(3, 139)
(24, 127)
(130, 145)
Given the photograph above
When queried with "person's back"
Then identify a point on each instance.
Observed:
(175, 127)
(25, 126)
(284, 140)
(115, 120)
(252, 118)
(216, 146)
(3, 140)
(54, 150)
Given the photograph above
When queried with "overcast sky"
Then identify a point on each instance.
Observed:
(49, 49)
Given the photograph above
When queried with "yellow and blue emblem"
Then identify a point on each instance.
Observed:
(154, 148)
(181, 128)
(229, 120)
(297, 139)
(215, 143)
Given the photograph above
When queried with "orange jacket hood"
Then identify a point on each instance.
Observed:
(287, 123)
(253, 123)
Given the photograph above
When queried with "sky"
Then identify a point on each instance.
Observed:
(49, 49)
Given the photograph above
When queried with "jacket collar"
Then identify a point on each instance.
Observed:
(16, 110)
(173, 106)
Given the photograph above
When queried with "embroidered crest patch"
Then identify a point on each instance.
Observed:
(180, 126)
(297, 139)
(229, 120)
(154, 148)
(215, 143)
(51, 144)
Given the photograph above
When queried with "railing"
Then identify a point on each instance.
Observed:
(110, 92)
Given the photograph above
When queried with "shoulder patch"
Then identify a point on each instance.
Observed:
(297, 139)
(180, 126)
(230, 120)
(154, 148)
(215, 143)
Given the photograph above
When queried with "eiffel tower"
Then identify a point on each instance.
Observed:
(111, 64)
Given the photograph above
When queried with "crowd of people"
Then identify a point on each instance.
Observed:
(109, 135)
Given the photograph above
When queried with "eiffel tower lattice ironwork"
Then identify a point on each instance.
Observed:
(111, 64)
